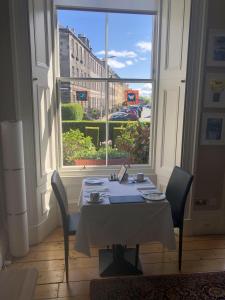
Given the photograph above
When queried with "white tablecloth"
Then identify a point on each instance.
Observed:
(128, 224)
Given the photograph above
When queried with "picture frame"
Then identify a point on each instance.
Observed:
(214, 91)
(216, 48)
(213, 129)
(121, 173)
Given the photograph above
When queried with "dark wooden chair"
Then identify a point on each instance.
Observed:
(176, 193)
(69, 220)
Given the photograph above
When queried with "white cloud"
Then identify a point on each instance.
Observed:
(124, 53)
(115, 64)
(146, 90)
(129, 62)
(144, 46)
(142, 58)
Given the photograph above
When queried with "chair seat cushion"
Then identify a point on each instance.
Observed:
(73, 220)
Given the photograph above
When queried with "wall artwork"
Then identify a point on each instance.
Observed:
(216, 48)
(214, 90)
(213, 129)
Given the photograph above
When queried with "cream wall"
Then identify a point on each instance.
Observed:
(204, 220)
(209, 180)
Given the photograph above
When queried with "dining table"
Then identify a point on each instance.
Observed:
(121, 219)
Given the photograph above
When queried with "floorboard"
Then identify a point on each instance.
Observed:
(200, 254)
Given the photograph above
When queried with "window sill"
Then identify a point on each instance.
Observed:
(103, 170)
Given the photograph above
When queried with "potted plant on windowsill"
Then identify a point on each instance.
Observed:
(80, 150)
(98, 157)
(134, 140)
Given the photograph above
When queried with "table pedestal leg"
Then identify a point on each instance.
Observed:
(119, 261)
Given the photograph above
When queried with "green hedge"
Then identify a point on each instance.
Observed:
(67, 125)
(72, 111)
(116, 132)
(93, 132)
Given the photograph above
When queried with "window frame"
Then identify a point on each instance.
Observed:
(79, 171)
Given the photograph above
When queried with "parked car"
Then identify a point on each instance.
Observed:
(122, 116)
(132, 116)
(119, 116)
(132, 113)
(137, 109)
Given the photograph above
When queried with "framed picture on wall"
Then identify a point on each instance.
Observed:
(216, 48)
(213, 131)
(214, 90)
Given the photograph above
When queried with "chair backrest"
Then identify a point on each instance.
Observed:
(60, 194)
(176, 193)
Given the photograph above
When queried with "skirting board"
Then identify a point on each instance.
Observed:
(207, 222)
(3, 247)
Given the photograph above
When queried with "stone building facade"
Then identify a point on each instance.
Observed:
(78, 61)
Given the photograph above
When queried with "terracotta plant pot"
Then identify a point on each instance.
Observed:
(100, 162)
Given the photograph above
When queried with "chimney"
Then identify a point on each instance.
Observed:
(84, 39)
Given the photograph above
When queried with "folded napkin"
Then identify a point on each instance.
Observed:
(95, 189)
(147, 188)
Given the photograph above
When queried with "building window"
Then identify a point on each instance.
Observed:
(115, 110)
(77, 53)
(81, 54)
(73, 71)
(72, 48)
(85, 57)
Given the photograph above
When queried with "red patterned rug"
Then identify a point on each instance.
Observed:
(199, 286)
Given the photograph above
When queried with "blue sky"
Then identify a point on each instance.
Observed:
(130, 39)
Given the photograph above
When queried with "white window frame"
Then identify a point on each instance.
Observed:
(80, 171)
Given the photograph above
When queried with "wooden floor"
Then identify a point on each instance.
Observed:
(201, 254)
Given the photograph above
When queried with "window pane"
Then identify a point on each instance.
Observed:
(83, 123)
(129, 122)
(105, 123)
(81, 35)
(130, 45)
(82, 38)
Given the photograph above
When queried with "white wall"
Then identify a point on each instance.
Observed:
(209, 174)
(8, 107)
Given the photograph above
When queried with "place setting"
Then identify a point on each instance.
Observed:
(152, 194)
(95, 197)
(138, 178)
(93, 181)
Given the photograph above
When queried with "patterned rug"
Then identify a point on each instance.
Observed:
(199, 286)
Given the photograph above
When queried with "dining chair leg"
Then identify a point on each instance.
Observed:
(136, 255)
(66, 253)
(180, 246)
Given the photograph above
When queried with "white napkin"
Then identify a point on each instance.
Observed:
(95, 189)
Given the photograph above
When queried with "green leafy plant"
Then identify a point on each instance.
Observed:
(99, 154)
(134, 140)
(133, 144)
(67, 125)
(74, 144)
(112, 153)
(93, 132)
